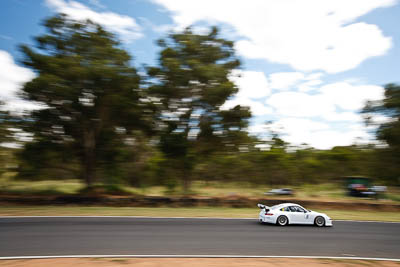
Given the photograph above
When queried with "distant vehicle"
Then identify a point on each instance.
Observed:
(359, 186)
(290, 213)
(280, 191)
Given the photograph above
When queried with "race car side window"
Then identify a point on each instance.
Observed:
(292, 208)
(299, 209)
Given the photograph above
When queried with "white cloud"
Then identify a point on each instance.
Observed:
(251, 84)
(328, 117)
(328, 139)
(317, 134)
(257, 108)
(258, 129)
(307, 35)
(309, 85)
(123, 25)
(300, 104)
(380, 119)
(285, 80)
(296, 130)
(12, 78)
(291, 80)
(351, 97)
(333, 102)
(314, 76)
(342, 116)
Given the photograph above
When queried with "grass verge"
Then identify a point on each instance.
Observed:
(219, 212)
(323, 192)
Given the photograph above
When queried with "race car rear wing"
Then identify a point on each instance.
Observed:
(261, 206)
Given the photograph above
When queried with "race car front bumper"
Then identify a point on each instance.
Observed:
(328, 222)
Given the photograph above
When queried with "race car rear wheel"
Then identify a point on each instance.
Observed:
(319, 221)
(282, 220)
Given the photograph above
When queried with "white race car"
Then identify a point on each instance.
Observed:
(289, 213)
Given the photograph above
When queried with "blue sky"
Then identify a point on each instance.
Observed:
(308, 66)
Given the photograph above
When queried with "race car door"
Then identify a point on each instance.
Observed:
(298, 215)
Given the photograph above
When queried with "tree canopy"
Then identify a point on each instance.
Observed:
(389, 131)
(90, 91)
(103, 122)
(192, 83)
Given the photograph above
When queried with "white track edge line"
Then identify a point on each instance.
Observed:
(155, 217)
(195, 256)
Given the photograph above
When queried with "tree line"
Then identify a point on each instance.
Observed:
(103, 122)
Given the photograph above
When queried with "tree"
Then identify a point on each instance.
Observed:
(6, 136)
(388, 132)
(5, 124)
(191, 84)
(389, 107)
(90, 92)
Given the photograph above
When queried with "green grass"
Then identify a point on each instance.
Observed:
(323, 192)
(394, 196)
(328, 190)
(47, 187)
(9, 185)
(219, 212)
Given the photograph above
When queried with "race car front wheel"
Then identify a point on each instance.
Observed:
(319, 221)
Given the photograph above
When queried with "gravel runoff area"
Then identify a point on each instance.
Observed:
(193, 262)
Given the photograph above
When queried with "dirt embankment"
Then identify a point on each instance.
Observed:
(236, 202)
(156, 262)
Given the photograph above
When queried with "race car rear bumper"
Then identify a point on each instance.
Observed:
(266, 219)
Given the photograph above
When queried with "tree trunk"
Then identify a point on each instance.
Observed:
(187, 181)
(89, 157)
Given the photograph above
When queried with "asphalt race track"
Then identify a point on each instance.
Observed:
(156, 236)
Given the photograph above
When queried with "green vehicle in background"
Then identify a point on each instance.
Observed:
(359, 186)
